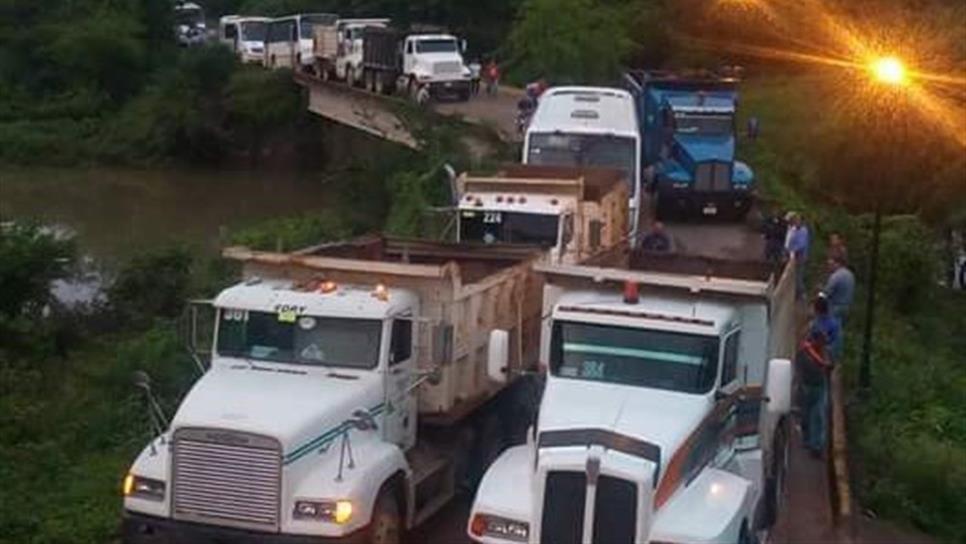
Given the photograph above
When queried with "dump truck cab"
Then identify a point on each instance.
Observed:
(663, 415)
(688, 126)
(572, 213)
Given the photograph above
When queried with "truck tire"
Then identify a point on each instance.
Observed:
(350, 76)
(489, 444)
(775, 482)
(386, 526)
(464, 96)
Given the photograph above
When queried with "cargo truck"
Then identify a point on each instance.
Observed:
(245, 36)
(588, 127)
(687, 122)
(572, 213)
(347, 396)
(664, 414)
(383, 60)
(289, 40)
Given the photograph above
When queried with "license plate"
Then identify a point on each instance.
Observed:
(448, 84)
(710, 209)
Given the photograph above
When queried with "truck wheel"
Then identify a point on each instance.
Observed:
(775, 483)
(350, 76)
(386, 525)
(489, 446)
(324, 73)
(465, 96)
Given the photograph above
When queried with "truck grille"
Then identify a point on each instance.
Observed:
(712, 176)
(447, 67)
(563, 508)
(226, 478)
(615, 510)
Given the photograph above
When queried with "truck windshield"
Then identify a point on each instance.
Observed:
(254, 31)
(638, 357)
(508, 227)
(304, 340)
(560, 149)
(703, 124)
(436, 46)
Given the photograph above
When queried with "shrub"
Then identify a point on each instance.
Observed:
(153, 284)
(31, 258)
(290, 233)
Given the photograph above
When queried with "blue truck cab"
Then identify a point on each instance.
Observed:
(689, 137)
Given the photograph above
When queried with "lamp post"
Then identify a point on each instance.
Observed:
(891, 73)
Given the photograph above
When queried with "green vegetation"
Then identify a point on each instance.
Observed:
(907, 433)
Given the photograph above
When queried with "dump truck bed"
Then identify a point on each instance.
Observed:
(465, 292)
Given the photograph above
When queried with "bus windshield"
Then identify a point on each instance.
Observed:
(508, 227)
(645, 358)
(302, 340)
(254, 31)
(559, 149)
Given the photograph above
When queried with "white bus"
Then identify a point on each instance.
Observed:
(288, 43)
(588, 126)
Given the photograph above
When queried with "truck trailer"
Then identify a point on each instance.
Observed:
(347, 397)
(664, 415)
(573, 213)
(687, 122)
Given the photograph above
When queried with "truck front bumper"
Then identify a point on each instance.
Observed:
(454, 87)
(142, 529)
(704, 204)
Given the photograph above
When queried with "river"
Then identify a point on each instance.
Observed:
(116, 213)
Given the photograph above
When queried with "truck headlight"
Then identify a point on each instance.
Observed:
(335, 511)
(143, 488)
(499, 527)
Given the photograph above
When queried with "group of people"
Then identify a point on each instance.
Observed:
(487, 73)
(823, 344)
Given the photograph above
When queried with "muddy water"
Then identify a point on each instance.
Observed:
(115, 213)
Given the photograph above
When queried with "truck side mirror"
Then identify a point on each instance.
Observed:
(778, 387)
(497, 356)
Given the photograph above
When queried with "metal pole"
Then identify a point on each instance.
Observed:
(865, 368)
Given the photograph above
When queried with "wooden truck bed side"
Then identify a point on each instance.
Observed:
(325, 42)
(465, 292)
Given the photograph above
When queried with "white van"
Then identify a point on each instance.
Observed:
(288, 43)
(245, 36)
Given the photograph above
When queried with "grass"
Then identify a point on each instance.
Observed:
(71, 427)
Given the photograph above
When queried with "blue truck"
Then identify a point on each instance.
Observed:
(688, 126)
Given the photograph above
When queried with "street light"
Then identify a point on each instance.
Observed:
(890, 72)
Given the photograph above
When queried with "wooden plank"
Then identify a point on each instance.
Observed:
(331, 263)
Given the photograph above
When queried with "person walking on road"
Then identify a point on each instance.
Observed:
(492, 75)
(839, 288)
(476, 71)
(797, 241)
(656, 240)
(816, 357)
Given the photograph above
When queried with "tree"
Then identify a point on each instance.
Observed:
(569, 41)
(31, 259)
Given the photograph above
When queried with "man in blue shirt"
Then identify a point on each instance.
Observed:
(839, 287)
(819, 351)
(796, 244)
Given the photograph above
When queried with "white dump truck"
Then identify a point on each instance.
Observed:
(347, 397)
(663, 418)
(339, 46)
(572, 213)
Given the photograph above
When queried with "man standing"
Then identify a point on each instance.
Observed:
(796, 244)
(816, 357)
(774, 232)
(840, 287)
(836, 246)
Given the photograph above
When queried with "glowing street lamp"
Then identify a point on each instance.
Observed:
(888, 71)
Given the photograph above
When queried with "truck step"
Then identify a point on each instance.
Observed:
(433, 506)
(425, 463)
